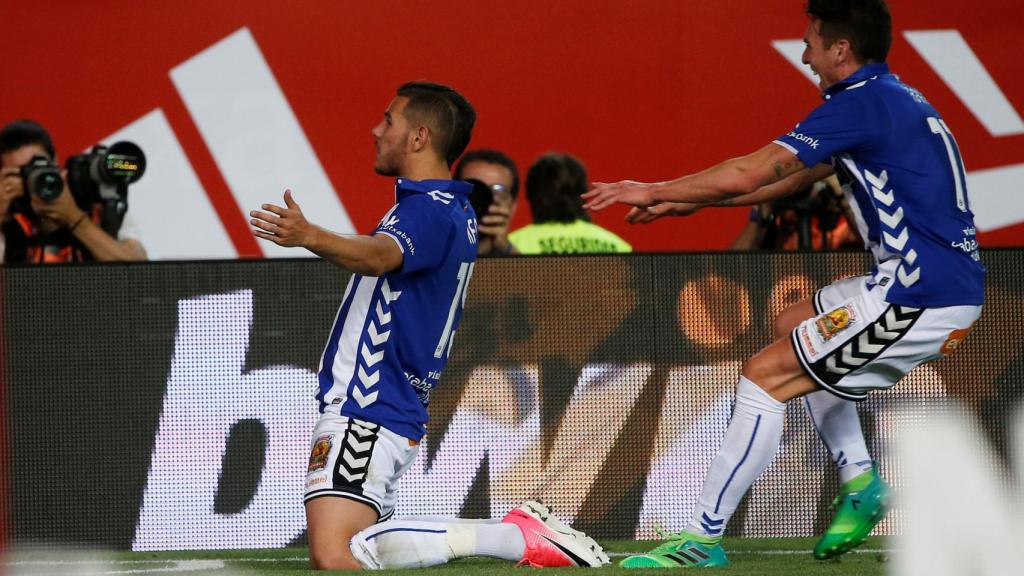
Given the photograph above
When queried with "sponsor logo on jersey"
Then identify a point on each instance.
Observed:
(318, 456)
(835, 321)
(968, 244)
(812, 142)
(423, 386)
(954, 340)
(401, 235)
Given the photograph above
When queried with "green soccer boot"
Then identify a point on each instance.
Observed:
(861, 504)
(683, 550)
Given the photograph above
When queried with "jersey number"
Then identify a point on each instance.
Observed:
(938, 126)
(445, 343)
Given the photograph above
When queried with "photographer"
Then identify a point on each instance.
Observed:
(34, 229)
(496, 190)
(812, 219)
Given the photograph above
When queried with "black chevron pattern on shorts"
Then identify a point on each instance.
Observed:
(354, 454)
(866, 345)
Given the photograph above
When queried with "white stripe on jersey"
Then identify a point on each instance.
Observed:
(877, 249)
(343, 364)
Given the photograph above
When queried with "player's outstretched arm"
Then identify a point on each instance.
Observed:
(785, 187)
(788, 185)
(287, 226)
(728, 179)
(637, 215)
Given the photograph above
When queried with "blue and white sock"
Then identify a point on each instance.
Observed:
(837, 424)
(750, 444)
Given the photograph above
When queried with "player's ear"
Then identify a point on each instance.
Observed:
(841, 50)
(419, 138)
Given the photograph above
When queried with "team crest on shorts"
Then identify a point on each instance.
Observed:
(835, 321)
(321, 449)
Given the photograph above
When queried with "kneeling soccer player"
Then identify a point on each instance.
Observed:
(389, 344)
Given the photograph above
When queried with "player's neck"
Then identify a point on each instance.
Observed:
(427, 170)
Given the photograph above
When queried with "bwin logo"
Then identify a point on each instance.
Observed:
(812, 142)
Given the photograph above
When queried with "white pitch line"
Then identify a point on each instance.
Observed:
(153, 561)
(179, 566)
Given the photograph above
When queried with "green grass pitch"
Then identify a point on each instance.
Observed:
(763, 557)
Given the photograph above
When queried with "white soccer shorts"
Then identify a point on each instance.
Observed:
(859, 342)
(358, 460)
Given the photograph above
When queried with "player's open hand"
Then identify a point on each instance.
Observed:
(651, 213)
(624, 192)
(283, 226)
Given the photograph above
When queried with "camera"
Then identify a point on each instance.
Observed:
(42, 178)
(481, 197)
(102, 175)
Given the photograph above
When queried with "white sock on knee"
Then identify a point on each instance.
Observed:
(419, 544)
(750, 443)
(837, 424)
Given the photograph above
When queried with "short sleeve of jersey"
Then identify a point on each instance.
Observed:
(421, 230)
(843, 123)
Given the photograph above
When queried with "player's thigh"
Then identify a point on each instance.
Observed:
(822, 301)
(332, 523)
(777, 370)
(792, 316)
(351, 482)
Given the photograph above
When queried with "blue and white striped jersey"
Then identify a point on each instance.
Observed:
(392, 335)
(905, 180)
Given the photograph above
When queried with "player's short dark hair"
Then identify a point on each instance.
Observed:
(866, 24)
(25, 133)
(553, 187)
(445, 112)
(490, 156)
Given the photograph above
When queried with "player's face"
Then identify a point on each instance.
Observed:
(391, 138)
(817, 56)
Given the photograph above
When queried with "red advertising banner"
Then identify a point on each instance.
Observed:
(234, 101)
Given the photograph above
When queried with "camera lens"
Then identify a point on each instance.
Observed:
(122, 162)
(47, 185)
(42, 178)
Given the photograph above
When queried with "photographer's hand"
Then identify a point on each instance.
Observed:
(493, 227)
(62, 210)
(11, 187)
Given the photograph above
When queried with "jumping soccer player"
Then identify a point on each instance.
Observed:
(389, 344)
(904, 178)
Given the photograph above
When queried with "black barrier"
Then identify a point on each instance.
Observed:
(169, 405)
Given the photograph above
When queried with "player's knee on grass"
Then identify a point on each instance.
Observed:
(323, 557)
(332, 523)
